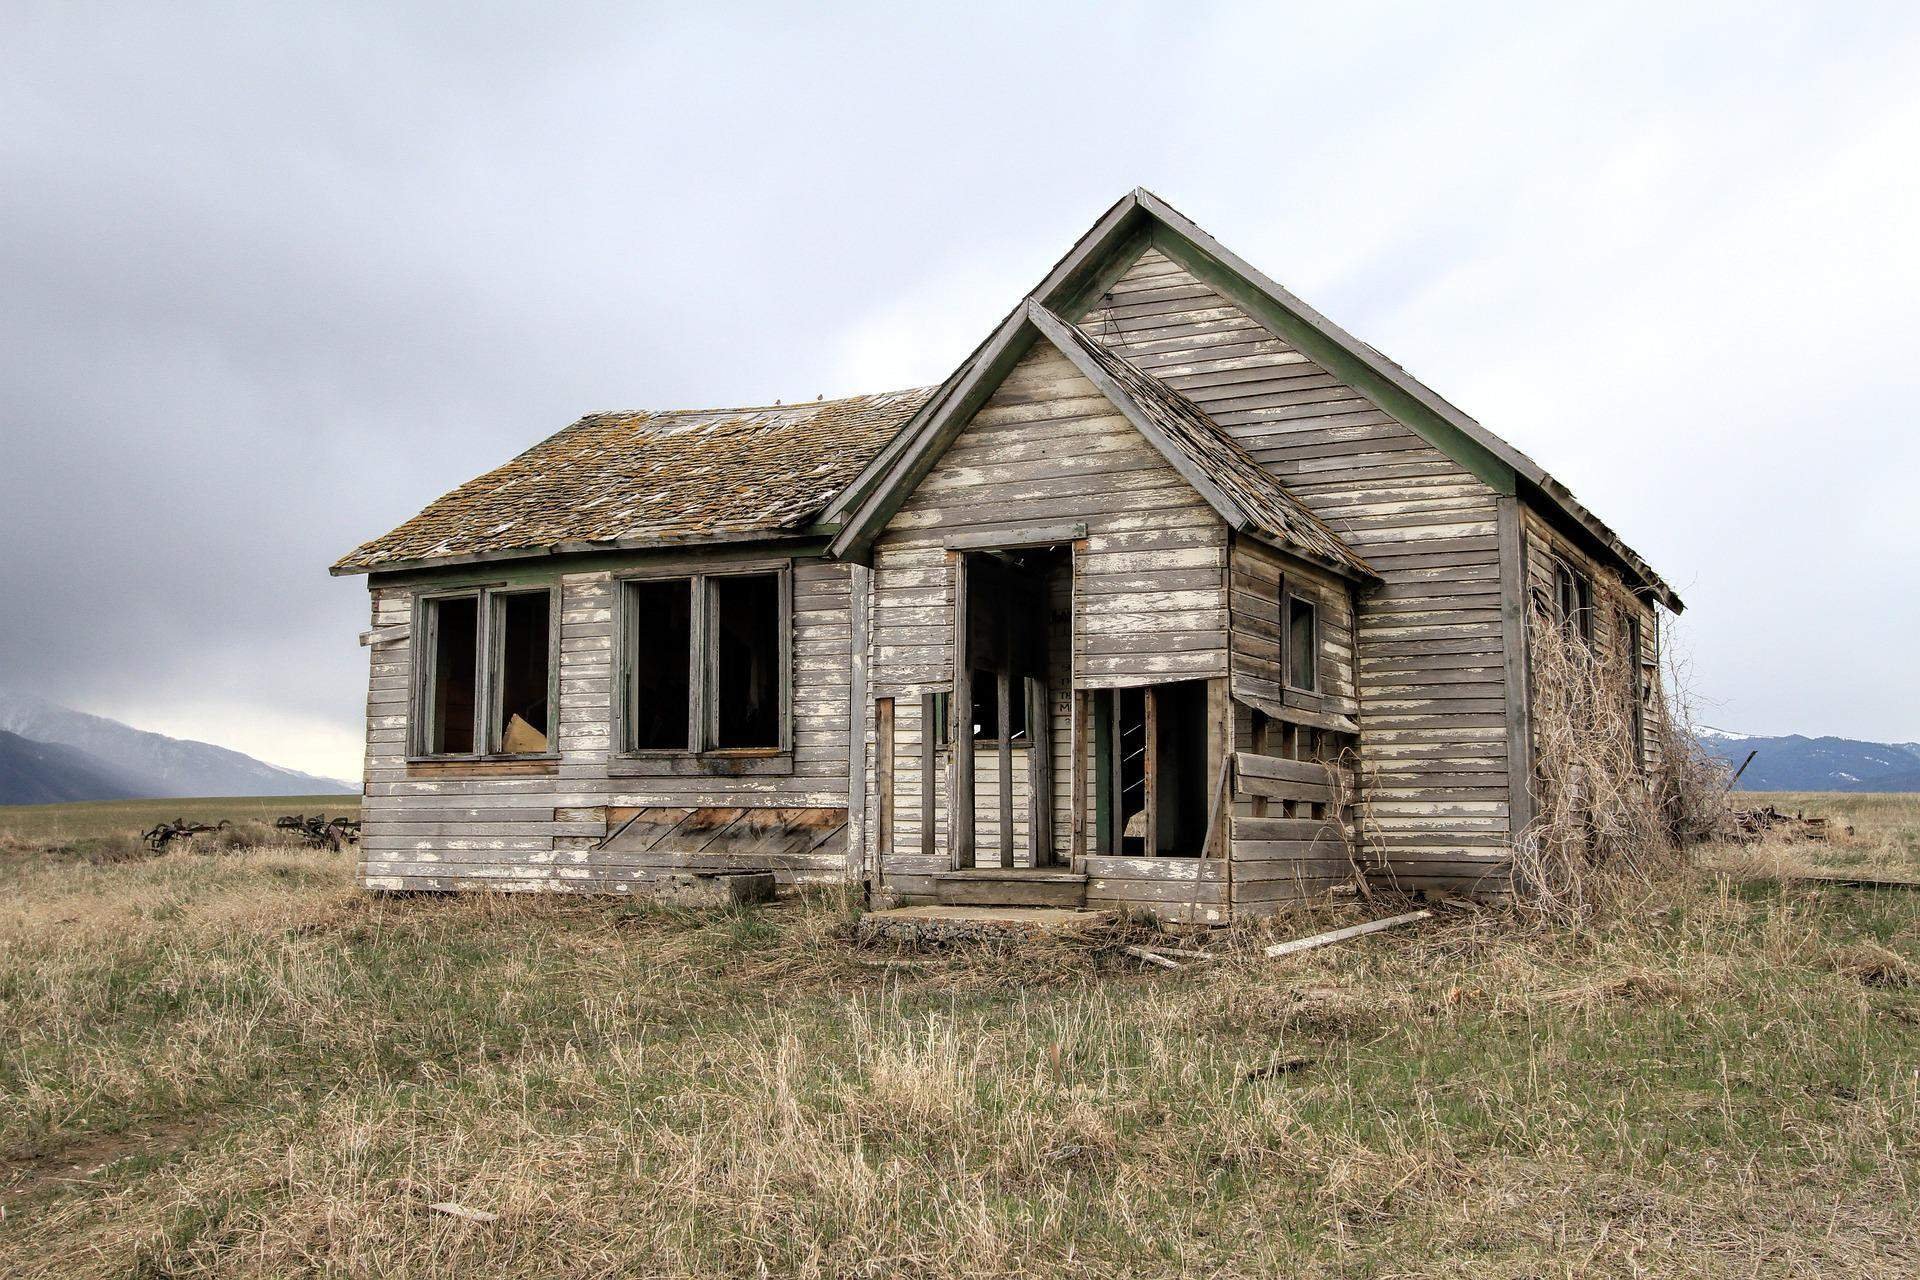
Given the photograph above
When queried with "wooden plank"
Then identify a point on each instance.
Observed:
(929, 734)
(1341, 935)
(1003, 698)
(960, 828)
(1152, 771)
(1247, 786)
(1515, 664)
(1312, 772)
(884, 747)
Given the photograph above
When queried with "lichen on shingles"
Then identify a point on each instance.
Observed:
(676, 475)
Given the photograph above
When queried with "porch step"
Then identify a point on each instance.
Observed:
(1010, 887)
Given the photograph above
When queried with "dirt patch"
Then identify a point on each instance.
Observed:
(72, 1164)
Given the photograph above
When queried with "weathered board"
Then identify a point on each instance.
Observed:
(1429, 682)
(543, 830)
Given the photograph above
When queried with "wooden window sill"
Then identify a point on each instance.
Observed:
(506, 767)
(706, 764)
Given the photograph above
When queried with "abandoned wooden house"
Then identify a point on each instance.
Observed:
(1174, 595)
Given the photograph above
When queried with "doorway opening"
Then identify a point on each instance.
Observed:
(1150, 770)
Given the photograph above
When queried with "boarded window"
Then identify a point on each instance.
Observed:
(524, 672)
(659, 674)
(1303, 644)
(746, 661)
(452, 681)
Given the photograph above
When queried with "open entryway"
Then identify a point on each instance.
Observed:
(1009, 729)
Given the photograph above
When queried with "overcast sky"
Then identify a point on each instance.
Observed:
(274, 276)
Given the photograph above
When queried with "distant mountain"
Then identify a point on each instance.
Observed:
(1796, 763)
(138, 763)
(49, 773)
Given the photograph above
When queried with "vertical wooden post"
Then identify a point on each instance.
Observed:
(929, 761)
(1151, 773)
(1115, 834)
(1079, 702)
(1003, 698)
(1039, 771)
(883, 784)
(859, 583)
(960, 714)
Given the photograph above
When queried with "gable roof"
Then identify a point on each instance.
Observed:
(615, 480)
(1246, 494)
(1140, 219)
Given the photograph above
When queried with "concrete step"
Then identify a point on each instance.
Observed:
(1010, 887)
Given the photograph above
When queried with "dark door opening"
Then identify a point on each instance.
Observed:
(1150, 747)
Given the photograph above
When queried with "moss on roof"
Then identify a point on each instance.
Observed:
(692, 475)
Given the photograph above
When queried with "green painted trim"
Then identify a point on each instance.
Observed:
(1337, 360)
(1076, 296)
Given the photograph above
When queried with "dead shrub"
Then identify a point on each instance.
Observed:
(1606, 825)
(246, 835)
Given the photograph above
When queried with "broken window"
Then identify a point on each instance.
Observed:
(486, 683)
(1303, 644)
(986, 706)
(746, 660)
(704, 662)
(1637, 691)
(453, 625)
(659, 664)
(1572, 600)
(523, 622)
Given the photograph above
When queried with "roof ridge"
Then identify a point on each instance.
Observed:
(755, 408)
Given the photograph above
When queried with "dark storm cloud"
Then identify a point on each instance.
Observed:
(270, 278)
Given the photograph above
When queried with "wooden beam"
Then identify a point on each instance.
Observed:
(1516, 668)
(960, 718)
(1039, 771)
(1151, 771)
(929, 759)
(1079, 703)
(883, 784)
(1003, 700)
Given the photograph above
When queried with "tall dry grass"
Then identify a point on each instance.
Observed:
(242, 1066)
(1606, 826)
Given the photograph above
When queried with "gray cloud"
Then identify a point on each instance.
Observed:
(275, 277)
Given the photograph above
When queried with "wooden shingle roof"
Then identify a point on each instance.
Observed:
(637, 479)
(1212, 459)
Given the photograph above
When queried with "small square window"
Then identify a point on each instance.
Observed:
(1303, 644)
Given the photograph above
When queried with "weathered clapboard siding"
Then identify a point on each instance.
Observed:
(1257, 577)
(1430, 688)
(544, 831)
(1145, 600)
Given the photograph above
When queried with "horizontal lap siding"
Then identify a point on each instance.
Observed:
(1147, 600)
(542, 832)
(1258, 573)
(1429, 679)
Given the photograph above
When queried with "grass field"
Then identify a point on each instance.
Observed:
(66, 822)
(236, 1064)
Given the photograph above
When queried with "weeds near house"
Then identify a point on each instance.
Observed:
(239, 1065)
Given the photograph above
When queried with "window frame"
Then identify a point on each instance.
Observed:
(1287, 596)
(1577, 621)
(489, 635)
(703, 709)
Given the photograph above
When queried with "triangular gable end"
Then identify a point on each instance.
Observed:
(1247, 499)
(1141, 220)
